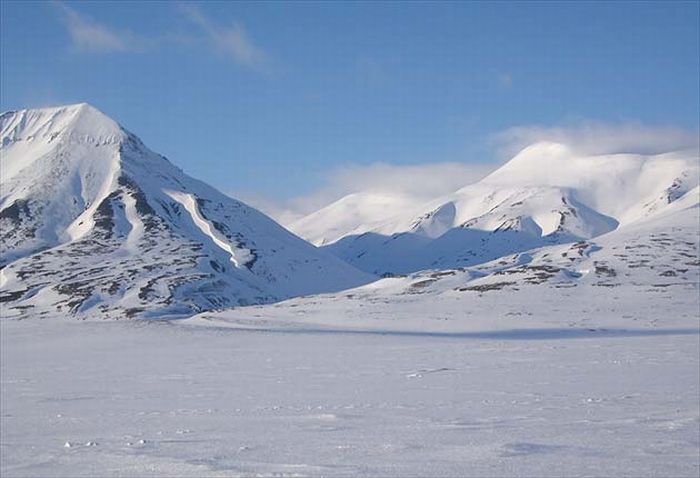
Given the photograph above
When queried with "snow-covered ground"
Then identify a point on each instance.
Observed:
(546, 326)
(559, 383)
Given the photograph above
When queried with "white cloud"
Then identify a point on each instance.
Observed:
(593, 138)
(232, 41)
(284, 212)
(425, 182)
(422, 182)
(91, 36)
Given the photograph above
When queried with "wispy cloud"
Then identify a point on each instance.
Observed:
(88, 35)
(425, 182)
(91, 36)
(592, 138)
(232, 40)
(420, 183)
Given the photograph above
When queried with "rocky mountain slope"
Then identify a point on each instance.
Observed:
(92, 222)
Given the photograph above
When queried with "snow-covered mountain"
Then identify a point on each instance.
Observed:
(545, 195)
(351, 215)
(644, 274)
(656, 255)
(92, 221)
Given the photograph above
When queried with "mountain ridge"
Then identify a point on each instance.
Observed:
(547, 194)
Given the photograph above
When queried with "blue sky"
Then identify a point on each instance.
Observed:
(267, 99)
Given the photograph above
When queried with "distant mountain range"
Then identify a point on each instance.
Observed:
(545, 195)
(94, 224)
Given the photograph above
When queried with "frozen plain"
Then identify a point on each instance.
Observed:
(605, 384)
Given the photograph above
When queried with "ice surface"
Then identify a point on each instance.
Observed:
(502, 385)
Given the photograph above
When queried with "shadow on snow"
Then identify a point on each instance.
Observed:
(510, 334)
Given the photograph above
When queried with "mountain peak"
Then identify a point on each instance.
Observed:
(548, 193)
(121, 231)
(29, 137)
(79, 122)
